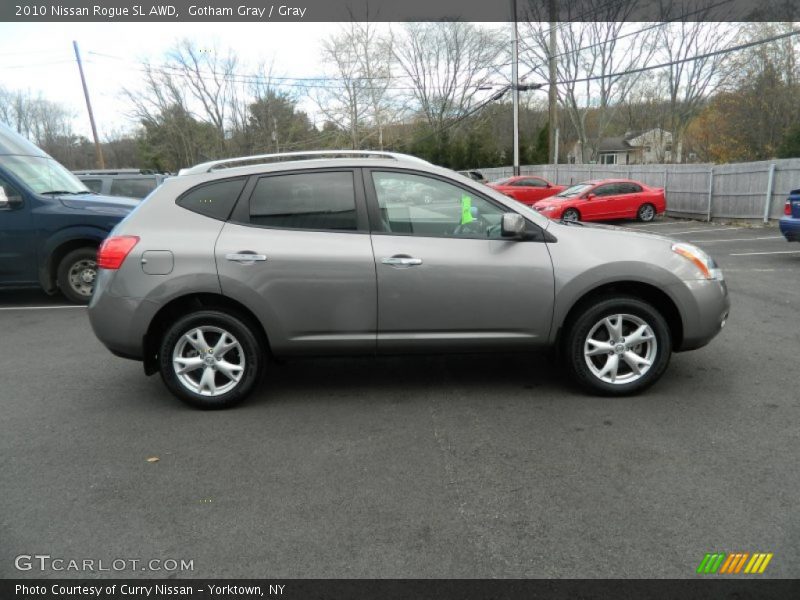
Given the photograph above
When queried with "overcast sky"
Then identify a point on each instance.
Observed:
(39, 57)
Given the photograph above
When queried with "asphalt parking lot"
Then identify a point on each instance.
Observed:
(477, 466)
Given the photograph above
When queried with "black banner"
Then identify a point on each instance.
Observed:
(393, 589)
(394, 10)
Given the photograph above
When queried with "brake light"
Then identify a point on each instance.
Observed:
(787, 208)
(114, 250)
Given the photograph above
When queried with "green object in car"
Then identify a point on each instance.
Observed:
(466, 210)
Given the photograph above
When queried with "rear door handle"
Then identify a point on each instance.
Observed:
(245, 257)
(401, 261)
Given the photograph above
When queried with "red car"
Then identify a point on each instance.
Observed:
(605, 199)
(526, 189)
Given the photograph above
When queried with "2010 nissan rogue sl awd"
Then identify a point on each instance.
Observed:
(352, 252)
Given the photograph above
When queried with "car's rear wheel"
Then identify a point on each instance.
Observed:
(646, 213)
(76, 274)
(618, 345)
(211, 359)
(571, 214)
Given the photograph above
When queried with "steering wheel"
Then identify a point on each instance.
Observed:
(478, 226)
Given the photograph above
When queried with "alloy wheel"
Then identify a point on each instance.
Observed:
(208, 361)
(620, 349)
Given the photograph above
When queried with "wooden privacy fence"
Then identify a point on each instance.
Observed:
(754, 190)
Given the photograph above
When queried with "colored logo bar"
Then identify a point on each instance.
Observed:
(734, 563)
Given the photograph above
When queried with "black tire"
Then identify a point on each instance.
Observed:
(590, 319)
(76, 274)
(249, 350)
(646, 213)
(571, 214)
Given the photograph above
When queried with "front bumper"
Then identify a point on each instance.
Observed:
(704, 306)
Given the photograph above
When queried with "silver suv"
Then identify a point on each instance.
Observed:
(353, 252)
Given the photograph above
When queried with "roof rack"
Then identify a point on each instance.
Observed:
(208, 167)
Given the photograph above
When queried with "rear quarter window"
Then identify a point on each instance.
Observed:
(96, 185)
(133, 188)
(215, 199)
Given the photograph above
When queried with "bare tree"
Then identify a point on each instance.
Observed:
(447, 64)
(593, 60)
(35, 117)
(360, 100)
(689, 83)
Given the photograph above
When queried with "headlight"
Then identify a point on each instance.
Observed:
(547, 208)
(705, 264)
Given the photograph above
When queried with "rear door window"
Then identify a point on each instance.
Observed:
(314, 201)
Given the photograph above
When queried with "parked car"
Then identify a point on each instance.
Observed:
(226, 265)
(50, 223)
(475, 175)
(526, 188)
(130, 183)
(790, 223)
(605, 199)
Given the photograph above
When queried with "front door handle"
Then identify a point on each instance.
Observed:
(401, 261)
(245, 257)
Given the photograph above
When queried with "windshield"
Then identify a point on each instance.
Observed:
(575, 190)
(43, 175)
(503, 181)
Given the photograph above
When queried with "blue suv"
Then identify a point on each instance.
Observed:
(790, 224)
(50, 223)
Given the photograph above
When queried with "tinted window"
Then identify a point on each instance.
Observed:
(629, 188)
(531, 183)
(417, 205)
(305, 201)
(133, 188)
(213, 200)
(93, 184)
(606, 190)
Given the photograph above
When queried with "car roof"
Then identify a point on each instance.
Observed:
(598, 181)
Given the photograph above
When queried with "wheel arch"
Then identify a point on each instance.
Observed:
(647, 292)
(182, 305)
(61, 244)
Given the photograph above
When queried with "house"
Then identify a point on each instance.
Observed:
(633, 148)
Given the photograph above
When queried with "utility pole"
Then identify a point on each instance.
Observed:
(98, 152)
(552, 96)
(515, 85)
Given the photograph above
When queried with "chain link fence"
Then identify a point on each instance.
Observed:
(754, 190)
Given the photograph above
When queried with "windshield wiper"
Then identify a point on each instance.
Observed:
(59, 192)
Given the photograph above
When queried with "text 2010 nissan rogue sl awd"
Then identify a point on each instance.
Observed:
(377, 253)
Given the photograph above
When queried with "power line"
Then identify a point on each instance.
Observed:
(684, 60)
(628, 34)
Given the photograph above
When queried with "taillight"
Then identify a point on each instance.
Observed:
(787, 208)
(114, 250)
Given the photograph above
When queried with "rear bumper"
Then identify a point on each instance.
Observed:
(790, 228)
(119, 322)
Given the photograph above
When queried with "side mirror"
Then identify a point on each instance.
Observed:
(589, 196)
(8, 201)
(513, 225)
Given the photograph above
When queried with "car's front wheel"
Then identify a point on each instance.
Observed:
(618, 345)
(76, 274)
(211, 359)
